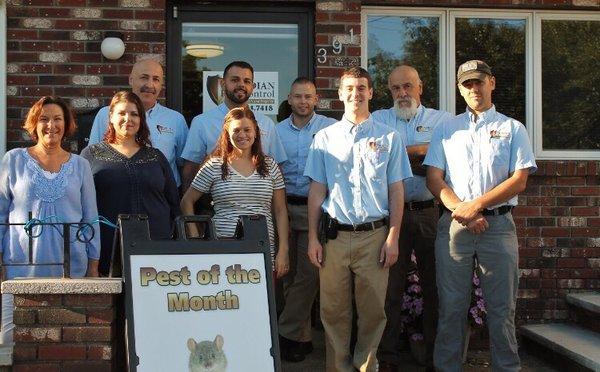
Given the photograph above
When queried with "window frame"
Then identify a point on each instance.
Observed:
(533, 61)
(3, 123)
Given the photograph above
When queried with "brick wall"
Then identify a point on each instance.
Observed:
(64, 332)
(53, 47)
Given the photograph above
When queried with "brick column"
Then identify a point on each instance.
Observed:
(337, 24)
(65, 324)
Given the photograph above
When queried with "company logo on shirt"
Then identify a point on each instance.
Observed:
(496, 134)
(422, 128)
(378, 147)
(163, 130)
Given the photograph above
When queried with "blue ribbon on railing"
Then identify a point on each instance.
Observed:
(55, 220)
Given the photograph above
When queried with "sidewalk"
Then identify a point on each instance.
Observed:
(477, 361)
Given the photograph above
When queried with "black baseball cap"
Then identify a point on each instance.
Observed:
(473, 69)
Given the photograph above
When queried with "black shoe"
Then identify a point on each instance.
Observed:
(290, 350)
(387, 367)
(306, 347)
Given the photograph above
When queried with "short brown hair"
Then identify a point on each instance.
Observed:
(35, 111)
(142, 137)
(358, 72)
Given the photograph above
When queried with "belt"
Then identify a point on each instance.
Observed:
(419, 205)
(368, 226)
(297, 200)
(487, 212)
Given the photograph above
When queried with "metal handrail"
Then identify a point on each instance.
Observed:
(66, 234)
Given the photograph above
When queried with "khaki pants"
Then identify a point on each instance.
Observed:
(497, 254)
(352, 259)
(300, 285)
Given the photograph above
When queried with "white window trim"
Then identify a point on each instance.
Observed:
(537, 72)
(3, 119)
(533, 63)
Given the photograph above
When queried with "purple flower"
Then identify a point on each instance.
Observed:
(414, 278)
(415, 288)
(478, 292)
(413, 258)
(481, 304)
(416, 337)
(475, 280)
(478, 320)
(418, 306)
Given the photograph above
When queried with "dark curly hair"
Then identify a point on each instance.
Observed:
(224, 147)
(142, 137)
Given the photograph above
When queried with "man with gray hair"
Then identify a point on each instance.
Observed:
(415, 124)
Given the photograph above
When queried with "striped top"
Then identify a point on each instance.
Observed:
(239, 195)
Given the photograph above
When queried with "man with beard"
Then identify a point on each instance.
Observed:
(237, 84)
(168, 129)
(415, 124)
(477, 164)
(301, 285)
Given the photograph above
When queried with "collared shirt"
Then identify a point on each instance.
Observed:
(416, 131)
(206, 129)
(357, 163)
(478, 155)
(168, 132)
(296, 142)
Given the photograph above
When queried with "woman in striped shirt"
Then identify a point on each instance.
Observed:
(242, 181)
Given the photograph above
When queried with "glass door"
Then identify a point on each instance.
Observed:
(202, 41)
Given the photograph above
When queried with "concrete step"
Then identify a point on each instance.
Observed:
(575, 343)
(584, 309)
(587, 300)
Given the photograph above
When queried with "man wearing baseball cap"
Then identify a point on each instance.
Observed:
(477, 164)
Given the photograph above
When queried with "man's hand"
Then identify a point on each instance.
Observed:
(465, 212)
(478, 225)
(315, 252)
(389, 252)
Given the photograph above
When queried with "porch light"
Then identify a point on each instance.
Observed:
(112, 46)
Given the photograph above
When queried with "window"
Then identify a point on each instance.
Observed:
(544, 63)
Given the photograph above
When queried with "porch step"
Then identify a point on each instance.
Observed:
(579, 345)
(589, 301)
(584, 309)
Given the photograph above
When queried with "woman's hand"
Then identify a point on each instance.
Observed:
(92, 269)
(282, 263)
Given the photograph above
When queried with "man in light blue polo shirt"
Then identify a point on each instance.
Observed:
(356, 166)
(415, 124)
(301, 284)
(478, 163)
(237, 84)
(168, 129)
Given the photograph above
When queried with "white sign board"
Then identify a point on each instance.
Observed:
(204, 312)
(264, 98)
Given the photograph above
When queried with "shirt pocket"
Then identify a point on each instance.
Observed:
(375, 165)
(498, 152)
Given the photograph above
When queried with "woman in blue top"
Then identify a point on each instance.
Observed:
(55, 186)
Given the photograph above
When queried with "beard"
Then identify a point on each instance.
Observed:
(235, 99)
(406, 113)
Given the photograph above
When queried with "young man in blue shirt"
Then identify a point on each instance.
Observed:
(301, 284)
(478, 163)
(357, 166)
